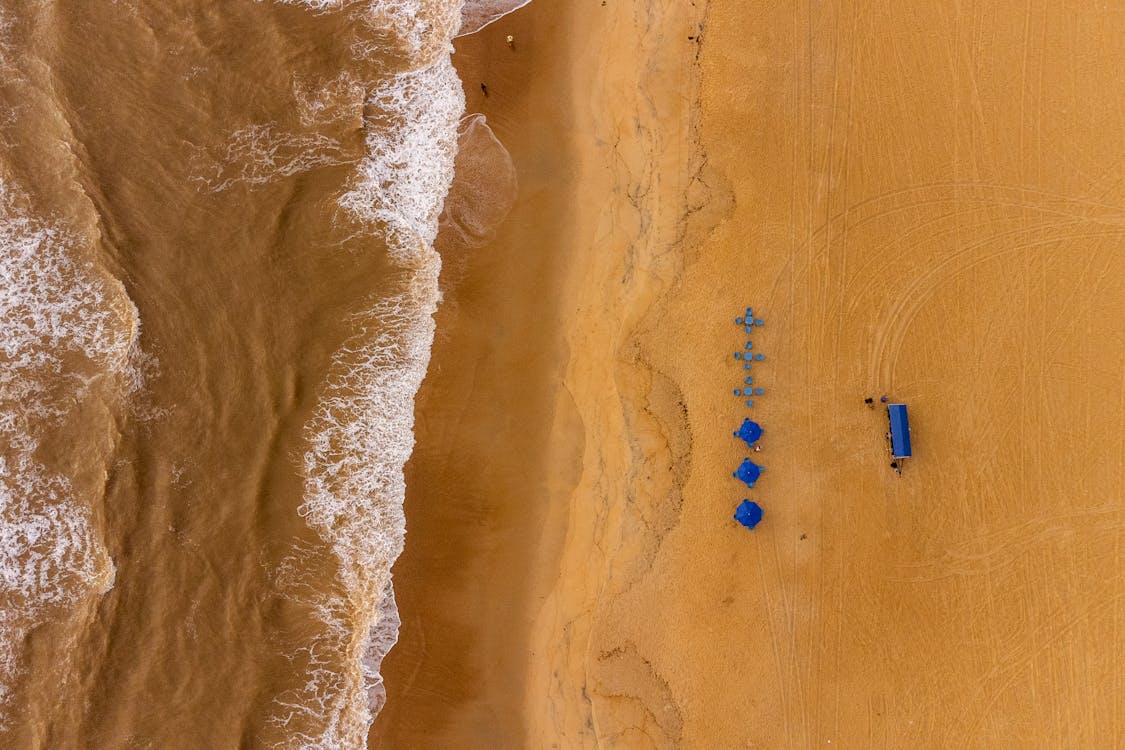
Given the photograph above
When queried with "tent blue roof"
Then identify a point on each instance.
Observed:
(748, 514)
(900, 430)
(748, 472)
(750, 431)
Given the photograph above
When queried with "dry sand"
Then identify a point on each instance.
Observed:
(921, 199)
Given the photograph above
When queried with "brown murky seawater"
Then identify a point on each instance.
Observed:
(216, 287)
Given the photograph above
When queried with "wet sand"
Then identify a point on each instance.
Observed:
(497, 437)
(920, 201)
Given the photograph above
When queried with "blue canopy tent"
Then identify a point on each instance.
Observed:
(750, 431)
(900, 430)
(748, 472)
(748, 514)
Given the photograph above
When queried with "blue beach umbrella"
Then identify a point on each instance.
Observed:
(750, 431)
(748, 514)
(748, 472)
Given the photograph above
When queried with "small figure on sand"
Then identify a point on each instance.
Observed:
(484, 89)
(757, 449)
(883, 399)
(511, 40)
(870, 402)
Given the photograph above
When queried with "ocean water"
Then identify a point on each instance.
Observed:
(218, 277)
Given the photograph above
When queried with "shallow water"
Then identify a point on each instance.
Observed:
(217, 281)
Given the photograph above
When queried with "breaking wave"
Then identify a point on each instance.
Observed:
(400, 187)
(67, 333)
(362, 431)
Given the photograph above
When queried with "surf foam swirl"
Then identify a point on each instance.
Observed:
(64, 330)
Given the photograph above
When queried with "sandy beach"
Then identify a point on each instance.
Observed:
(920, 200)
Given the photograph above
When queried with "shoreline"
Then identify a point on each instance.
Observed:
(489, 475)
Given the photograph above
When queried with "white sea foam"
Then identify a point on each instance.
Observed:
(6, 25)
(359, 440)
(409, 22)
(317, 5)
(63, 330)
(416, 30)
(401, 185)
(362, 432)
(323, 103)
(476, 14)
(259, 154)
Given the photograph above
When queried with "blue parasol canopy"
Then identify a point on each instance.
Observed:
(748, 472)
(750, 431)
(748, 514)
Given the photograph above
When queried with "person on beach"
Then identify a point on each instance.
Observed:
(511, 41)
(870, 402)
(484, 89)
(882, 399)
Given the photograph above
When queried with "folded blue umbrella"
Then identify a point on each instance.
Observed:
(748, 514)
